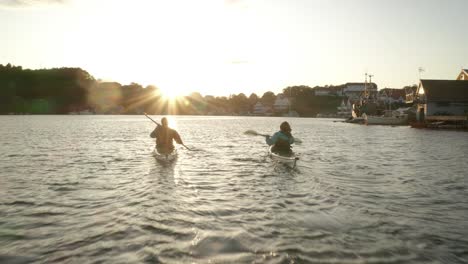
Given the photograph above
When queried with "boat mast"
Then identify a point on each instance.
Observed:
(370, 82)
(365, 89)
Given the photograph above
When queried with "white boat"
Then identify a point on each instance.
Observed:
(390, 118)
(289, 160)
(165, 157)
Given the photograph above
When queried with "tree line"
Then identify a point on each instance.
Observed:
(69, 90)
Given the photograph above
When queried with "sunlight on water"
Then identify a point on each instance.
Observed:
(87, 189)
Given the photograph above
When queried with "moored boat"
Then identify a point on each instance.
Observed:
(165, 157)
(392, 119)
(355, 120)
(289, 159)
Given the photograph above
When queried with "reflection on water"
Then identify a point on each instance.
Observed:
(87, 189)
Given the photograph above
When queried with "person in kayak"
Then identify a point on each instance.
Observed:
(282, 139)
(164, 137)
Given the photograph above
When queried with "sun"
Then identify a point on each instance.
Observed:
(169, 94)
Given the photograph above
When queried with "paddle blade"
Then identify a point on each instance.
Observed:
(191, 149)
(297, 141)
(251, 132)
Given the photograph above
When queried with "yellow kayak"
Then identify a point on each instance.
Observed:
(166, 157)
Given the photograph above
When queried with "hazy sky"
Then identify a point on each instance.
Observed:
(221, 47)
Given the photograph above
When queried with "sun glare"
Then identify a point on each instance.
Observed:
(169, 94)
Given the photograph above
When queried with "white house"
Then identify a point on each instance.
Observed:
(322, 91)
(392, 95)
(354, 91)
(260, 109)
(281, 103)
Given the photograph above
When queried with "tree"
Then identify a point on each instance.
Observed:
(268, 99)
(239, 103)
(196, 96)
(51, 91)
(197, 103)
(253, 99)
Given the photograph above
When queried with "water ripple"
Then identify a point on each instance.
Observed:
(87, 190)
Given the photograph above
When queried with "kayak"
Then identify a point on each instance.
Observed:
(290, 159)
(166, 157)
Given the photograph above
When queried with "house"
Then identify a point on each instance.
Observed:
(281, 104)
(463, 76)
(410, 93)
(356, 90)
(322, 91)
(337, 90)
(328, 90)
(442, 100)
(260, 109)
(392, 95)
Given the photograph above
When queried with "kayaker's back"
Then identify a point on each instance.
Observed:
(164, 138)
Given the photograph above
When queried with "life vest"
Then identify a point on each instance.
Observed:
(282, 145)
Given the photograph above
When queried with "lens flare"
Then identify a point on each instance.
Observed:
(169, 94)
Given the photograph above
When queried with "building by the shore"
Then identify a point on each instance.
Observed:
(439, 101)
(442, 100)
(356, 90)
(392, 95)
(260, 110)
(281, 104)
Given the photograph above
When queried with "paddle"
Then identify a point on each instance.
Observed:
(160, 125)
(151, 119)
(255, 133)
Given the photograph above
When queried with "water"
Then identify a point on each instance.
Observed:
(85, 189)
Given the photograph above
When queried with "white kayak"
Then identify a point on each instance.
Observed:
(166, 157)
(289, 160)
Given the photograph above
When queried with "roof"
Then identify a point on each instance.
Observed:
(322, 89)
(411, 89)
(445, 90)
(394, 93)
(373, 85)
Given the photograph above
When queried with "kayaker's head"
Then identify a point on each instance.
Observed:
(285, 127)
(164, 122)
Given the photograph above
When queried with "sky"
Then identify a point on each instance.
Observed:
(222, 47)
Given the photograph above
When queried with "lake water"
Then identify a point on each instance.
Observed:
(86, 189)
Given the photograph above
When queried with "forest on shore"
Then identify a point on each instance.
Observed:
(74, 90)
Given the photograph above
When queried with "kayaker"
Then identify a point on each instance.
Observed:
(282, 139)
(164, 137)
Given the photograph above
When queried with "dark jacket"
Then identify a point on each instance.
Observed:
(164, 138)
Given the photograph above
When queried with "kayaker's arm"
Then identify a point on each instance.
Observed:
(291, 140)
(177, 138)
(153, 134)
